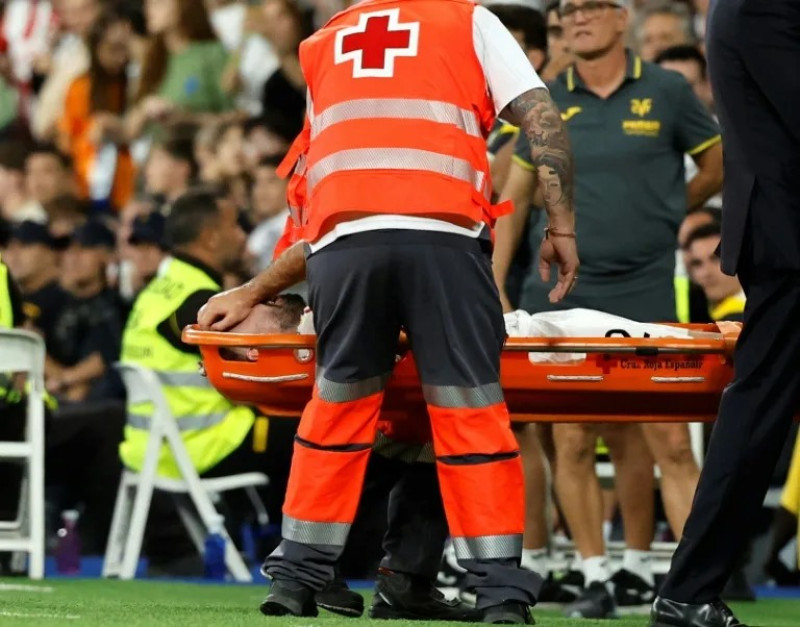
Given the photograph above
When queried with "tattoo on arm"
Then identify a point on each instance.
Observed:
(551, 154)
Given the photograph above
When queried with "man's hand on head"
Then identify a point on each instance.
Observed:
(226, 310)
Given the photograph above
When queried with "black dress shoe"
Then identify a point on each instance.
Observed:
(666, 613)
(509, 613)
(288, 598)
(339, 599)
(728, 615)
(410, 597)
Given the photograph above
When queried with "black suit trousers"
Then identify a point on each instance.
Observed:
(754, 420)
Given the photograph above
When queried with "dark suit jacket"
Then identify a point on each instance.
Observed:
(753, 52)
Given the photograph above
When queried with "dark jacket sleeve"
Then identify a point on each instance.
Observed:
(184, 315)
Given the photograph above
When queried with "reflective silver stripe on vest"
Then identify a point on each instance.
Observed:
(454, 397)
(183, 379)
(397, 108)
(185, 423)
(394, 159)
(307, 532)
(488, 547)
(334, 392)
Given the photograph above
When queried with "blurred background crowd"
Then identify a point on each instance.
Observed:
(111, 110)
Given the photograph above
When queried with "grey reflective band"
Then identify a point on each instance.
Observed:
(400, 109)
(454, 397)
(334, 392)
(395, 159)
(183, 379)
(185, 423)
(488, 547)
(307, 532)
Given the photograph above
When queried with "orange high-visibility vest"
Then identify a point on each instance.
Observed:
(398, 117)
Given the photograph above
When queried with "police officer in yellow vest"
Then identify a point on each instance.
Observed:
(205, 241)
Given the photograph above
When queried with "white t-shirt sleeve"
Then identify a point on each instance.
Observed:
(507, 70)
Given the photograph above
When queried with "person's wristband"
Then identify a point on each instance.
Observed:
(550, 231)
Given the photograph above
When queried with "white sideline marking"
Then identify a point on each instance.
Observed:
(37, 615)
(17, 587)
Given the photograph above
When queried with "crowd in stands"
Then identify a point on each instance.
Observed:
(112, 111)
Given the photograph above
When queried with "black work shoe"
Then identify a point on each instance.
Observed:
(339, 599)
(632, 593)
(594, 602)
(509, 613)
(409, 597)
(666, 613)
(554, 593)
(289, 598)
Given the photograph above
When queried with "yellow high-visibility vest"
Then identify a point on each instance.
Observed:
(211, 426)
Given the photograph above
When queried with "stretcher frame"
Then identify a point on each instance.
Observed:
(620, 379)
(610, 392)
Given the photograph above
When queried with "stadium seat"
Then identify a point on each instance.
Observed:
(196, 506)
(24, 352)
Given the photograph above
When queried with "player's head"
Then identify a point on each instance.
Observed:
(278, 316)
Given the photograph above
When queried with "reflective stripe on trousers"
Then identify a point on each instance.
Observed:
(397, 108)
(185, 423)
(456, 397)
(308, 532)
(488, 547)
(395, 159)
(336, 392)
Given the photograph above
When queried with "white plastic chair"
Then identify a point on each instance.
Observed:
(196, 509)
(24, 352)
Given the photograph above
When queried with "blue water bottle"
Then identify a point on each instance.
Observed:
(214, 557)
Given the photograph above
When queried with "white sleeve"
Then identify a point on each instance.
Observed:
(507, 70)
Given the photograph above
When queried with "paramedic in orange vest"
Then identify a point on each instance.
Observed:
(397, 226)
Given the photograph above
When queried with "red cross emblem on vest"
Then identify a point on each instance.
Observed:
(375, 42)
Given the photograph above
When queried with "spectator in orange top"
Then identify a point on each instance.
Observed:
(91, 129)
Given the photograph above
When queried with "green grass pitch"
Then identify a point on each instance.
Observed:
(95, 602)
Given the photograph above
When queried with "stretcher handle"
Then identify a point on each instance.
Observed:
(645, 347)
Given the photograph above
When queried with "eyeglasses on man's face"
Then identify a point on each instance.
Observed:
(591, 9)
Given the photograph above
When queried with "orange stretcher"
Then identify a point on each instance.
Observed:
(620, 379)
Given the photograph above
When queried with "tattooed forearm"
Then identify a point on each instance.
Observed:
(540, 119)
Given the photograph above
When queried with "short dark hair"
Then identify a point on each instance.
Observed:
(684, 53)
(274, 122)
(712, 229)
(13, 155)
(53, 151)
(290, 312)
(526, 19)
(555, 5)
(178, 143)
(189, 216)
